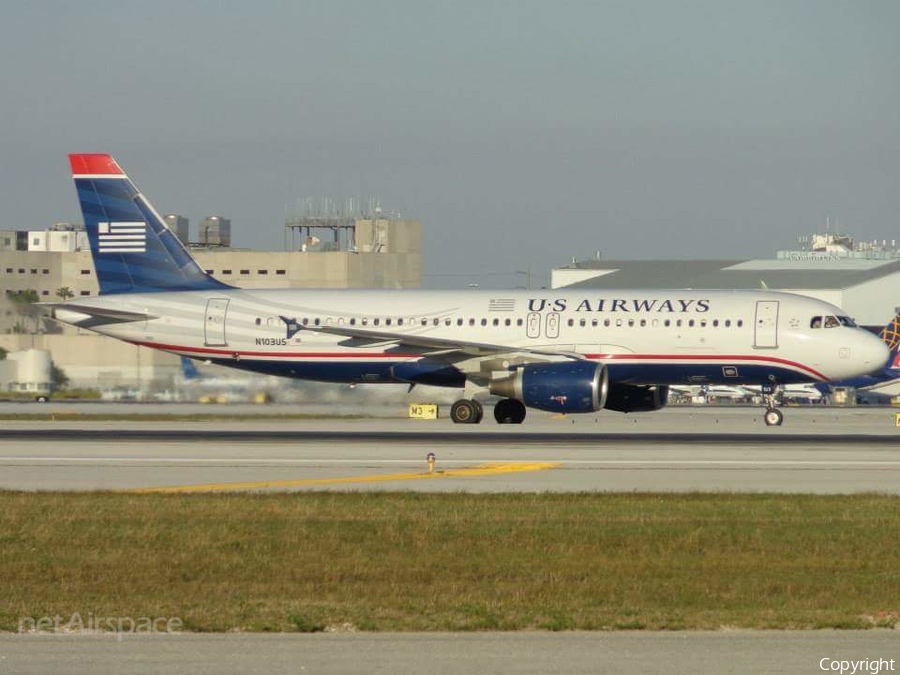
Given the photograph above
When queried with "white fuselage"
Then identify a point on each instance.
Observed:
(644, 336)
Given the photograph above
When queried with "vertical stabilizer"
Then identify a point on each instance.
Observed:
(132, 249)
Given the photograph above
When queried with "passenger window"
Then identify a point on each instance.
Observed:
(740, 323)
(352, 321)
(375, 322)
(631, 323)
(582, 322)
(594, 323)
(667, 323)
(715, 323)
(508, 322)
(691, 323)
(436, 321)
(643, 322)
(447, 321)
(424, 322)
(519, 322)
(727, 323)
(496, 322)
(484, 322)
(618, 322)
(387, 322)
(471, 322)
(606, 323)
(678, 323)
(571, 322)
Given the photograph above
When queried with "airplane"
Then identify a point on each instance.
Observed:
(569, 351)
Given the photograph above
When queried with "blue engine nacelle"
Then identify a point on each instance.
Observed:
(565, 387)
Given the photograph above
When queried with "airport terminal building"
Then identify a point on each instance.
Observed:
(54, 264)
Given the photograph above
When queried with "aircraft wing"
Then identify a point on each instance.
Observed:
(439, 346)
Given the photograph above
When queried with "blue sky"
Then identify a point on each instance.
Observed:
(519, 133)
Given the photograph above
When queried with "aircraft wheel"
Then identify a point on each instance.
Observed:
(464, 412)
(509, 411)
(773, 417)
(479, 412)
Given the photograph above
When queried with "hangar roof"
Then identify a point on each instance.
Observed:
(739, 274)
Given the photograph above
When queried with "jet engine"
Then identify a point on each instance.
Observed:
(628, 398)
(565, 387)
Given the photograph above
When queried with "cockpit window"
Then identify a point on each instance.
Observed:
(831, 322)
(847, 321)
(816, 322)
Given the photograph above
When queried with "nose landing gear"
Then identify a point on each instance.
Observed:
(773, 417)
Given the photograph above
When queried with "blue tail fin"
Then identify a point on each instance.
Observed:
(890, 334)
(133, 250)
(188, 369)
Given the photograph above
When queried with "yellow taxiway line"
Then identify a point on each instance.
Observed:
(465, 472)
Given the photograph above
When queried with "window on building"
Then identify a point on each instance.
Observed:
(245, 271)
(210, 272)
(45, 271)
(82, 271)
(226, 271)
(85, 292)
(34, 271)
(45, 292)
(262, 271)
(280, 272)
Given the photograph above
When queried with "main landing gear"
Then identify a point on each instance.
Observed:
(509, 411)
(469, 411)
(466, 411)
(773, 417)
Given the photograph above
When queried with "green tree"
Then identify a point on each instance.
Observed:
(25, 304)
(59, 377)
(64, 293)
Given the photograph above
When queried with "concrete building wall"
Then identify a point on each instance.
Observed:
(96, 362)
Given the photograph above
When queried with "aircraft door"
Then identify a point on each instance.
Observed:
(214, 325)
(552, 329)
(533, 325)
(766, 326)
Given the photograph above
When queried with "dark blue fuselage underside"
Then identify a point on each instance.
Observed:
(625, 373)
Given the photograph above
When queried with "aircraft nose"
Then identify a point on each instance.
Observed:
(873, 354)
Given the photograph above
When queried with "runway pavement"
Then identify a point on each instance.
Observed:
(817, 451)
(670, 653)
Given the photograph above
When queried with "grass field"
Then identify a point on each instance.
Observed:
(407, 561)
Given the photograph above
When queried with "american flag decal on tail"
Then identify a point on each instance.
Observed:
(122, 237)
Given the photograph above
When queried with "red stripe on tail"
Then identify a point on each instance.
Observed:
(94, 165)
